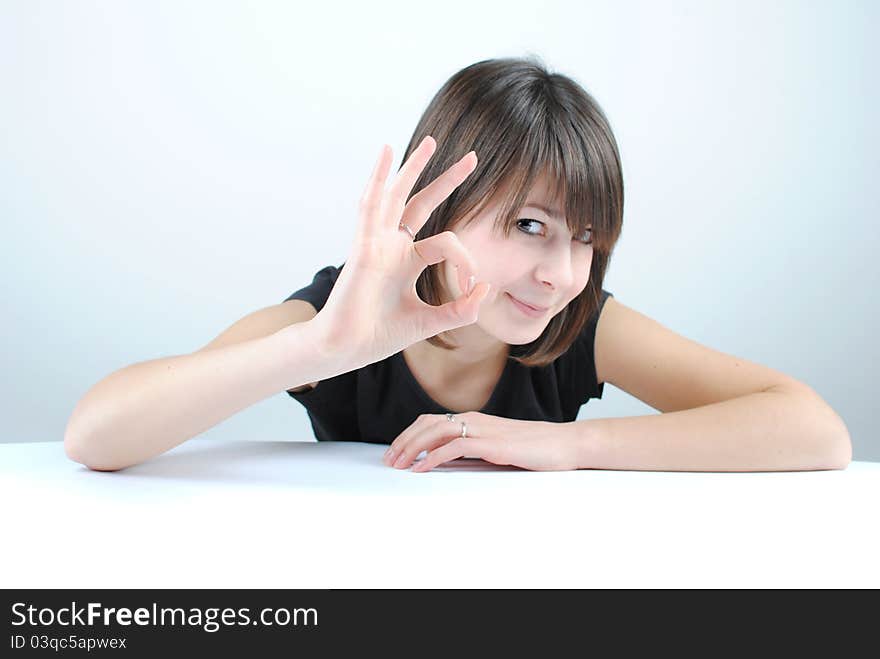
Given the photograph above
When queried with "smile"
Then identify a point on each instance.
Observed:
(526, 309)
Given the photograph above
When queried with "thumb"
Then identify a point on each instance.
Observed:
(475, 299)
(460, 312)
(467, 308)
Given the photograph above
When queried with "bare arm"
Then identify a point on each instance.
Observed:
(784, 428)
(150, 407)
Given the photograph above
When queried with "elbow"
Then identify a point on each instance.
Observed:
(76, 449)
(839, 453)
(73, 446)
(81, 443)
(838, 445)
(842, 452)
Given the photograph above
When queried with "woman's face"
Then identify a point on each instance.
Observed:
(540, 263)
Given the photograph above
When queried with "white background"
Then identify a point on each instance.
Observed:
(168, 167)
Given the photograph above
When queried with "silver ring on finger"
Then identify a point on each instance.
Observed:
(451, 417)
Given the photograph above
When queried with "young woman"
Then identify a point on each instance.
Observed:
(470, 320)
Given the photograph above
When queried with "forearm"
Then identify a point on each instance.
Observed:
(775, 430)
(148, 408)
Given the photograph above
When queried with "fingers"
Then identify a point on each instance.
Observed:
(445, 246)
(427, 433)
(445, 453)
(465, 308)
(455, 314)
(371, 200)
(406, 179)
(377, 206)
(423, 203)
(404, 439)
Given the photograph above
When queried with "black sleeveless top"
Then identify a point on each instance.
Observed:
(377, 402)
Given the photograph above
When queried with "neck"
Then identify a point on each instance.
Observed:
(475, 353)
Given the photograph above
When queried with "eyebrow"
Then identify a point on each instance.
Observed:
(552, 212)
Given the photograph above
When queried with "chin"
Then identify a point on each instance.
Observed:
(503, 332)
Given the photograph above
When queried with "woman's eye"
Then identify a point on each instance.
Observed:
(531, 222)
(586, 237)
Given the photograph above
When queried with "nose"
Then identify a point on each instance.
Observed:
(557, 272)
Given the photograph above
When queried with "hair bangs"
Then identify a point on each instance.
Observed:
(527, 126)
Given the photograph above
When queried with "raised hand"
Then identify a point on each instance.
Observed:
(373, 310)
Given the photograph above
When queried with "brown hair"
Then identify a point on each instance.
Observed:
(523, 121)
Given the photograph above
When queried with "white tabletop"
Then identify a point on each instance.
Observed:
(238, 514)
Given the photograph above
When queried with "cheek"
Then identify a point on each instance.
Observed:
(490, 262)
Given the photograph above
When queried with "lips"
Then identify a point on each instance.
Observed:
(536, 308)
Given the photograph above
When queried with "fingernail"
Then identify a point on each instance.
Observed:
(471, 283)
(401, 459)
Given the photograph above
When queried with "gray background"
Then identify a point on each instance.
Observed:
(169, 167)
